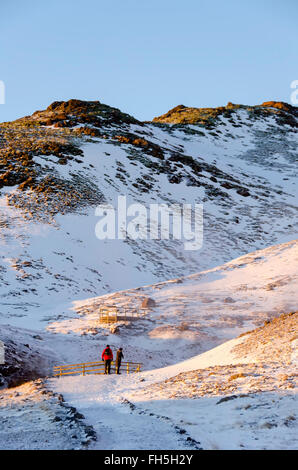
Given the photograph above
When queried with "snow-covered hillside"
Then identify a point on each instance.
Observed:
(59, 163)
(34, 418)
(240, 395)
(194, 313)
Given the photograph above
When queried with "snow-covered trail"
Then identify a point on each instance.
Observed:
(116, 423)
(252, 421)
(102, 400)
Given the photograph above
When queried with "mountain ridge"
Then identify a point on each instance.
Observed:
(207, 116)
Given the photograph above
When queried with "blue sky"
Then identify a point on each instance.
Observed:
(146, 57)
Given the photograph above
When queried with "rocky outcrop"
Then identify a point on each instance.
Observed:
(26, 357)
(148, 303)
(207, 116)
(279, 105)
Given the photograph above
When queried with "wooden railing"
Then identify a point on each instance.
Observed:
(98, 368)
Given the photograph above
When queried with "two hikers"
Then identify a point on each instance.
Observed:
(107, 357)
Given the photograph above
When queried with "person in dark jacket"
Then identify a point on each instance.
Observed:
(107, 357)
(119, 358)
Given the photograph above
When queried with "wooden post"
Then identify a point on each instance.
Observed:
(128, 367)
(83, 369)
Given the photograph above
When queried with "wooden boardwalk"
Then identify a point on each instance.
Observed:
(112, 314)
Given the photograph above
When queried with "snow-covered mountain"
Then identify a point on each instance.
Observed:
(58, 164)
(56, 167)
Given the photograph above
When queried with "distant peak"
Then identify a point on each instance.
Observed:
(73, 112)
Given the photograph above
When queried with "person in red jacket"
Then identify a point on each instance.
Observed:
(107, 357)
